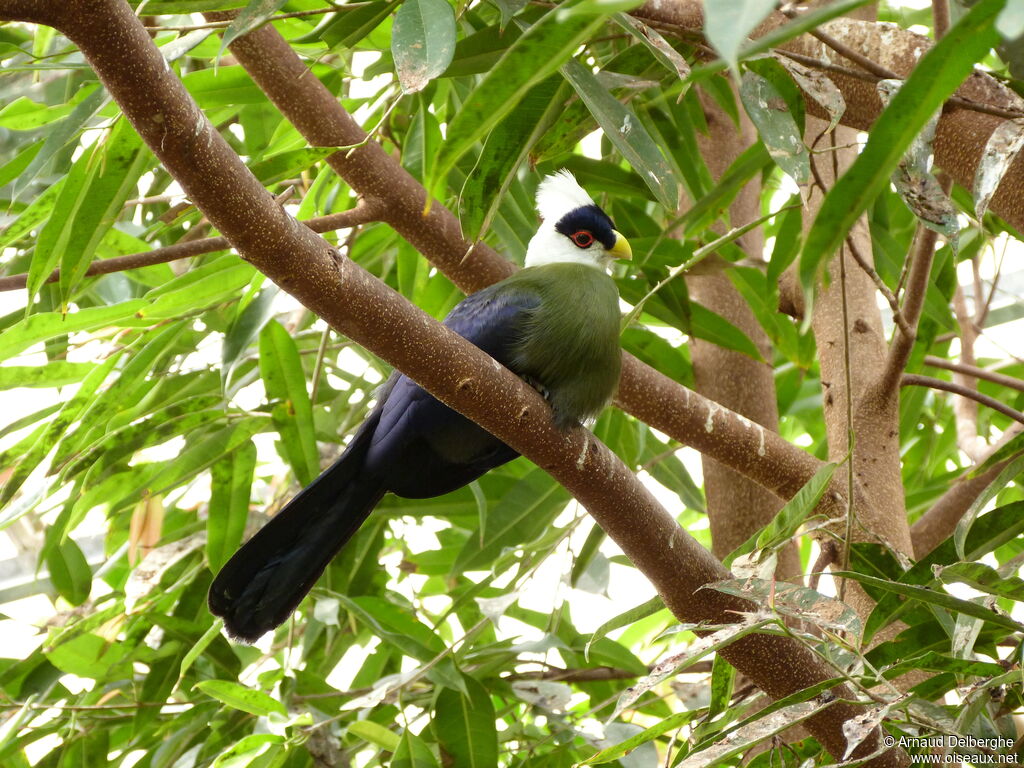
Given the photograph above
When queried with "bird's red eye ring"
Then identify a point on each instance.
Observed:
(583, 239)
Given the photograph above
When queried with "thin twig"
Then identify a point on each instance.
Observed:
(363, 212)
(290, 15)
(921, 259)
(954, 101)
(890, 297)
(972, 370)
(848, 383)
(940, 17)
(848, 53)
(981, 317)
(917, 380)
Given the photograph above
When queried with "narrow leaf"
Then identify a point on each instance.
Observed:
(626, 132)
(937, 75)
(532, 58)
(229, 504)
(422, 42)
(727, 25)
(239, 697)
(281, 369)
(464, 725)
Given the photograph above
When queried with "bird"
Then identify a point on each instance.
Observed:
(555, 323)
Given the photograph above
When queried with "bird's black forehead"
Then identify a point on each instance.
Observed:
(590, 218)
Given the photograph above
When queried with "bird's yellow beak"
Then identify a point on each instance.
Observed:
(621, 249)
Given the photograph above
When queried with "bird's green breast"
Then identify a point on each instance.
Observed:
(570, 345)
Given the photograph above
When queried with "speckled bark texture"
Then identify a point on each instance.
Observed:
(961, 133)
(737, 506)
(775, 464)
(352, 301)
(858, 342)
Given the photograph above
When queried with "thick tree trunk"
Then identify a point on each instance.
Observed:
(737, 507)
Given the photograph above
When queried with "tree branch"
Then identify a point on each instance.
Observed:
(916, 380)
(890, 297)
(760, 455)
(962, 130)
(913, 302)
(363, 213)
(939, 522)
(449, 367)
(972, 370)
(32, 11)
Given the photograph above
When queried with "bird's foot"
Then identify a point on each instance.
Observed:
(541, 389)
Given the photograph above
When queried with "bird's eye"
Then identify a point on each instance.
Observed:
(583, 239)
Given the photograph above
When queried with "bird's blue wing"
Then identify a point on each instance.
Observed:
(420, 446)
(493, 320)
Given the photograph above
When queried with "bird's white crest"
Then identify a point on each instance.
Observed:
(557, 195)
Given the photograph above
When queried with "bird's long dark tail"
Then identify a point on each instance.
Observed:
(263, 583)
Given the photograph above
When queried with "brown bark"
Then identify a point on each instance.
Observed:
(939, 522)
(462, 376)
(737, 507)
(852, 355)
(693, 420)
(961, 134)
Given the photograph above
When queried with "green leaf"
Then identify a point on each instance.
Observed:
(87, 655)
(239, 697)
(983, 578)
(13, 168)
(33, 214)
(201, 645)
(69, 571)
(532, 58)
(504, 151)
(771, 109)
(283, 377)
(396, 626)
(375, 733)
(464, 725)
(91, 198)
(47, 325)
(412, 752)
(231, 478)
(727, 25)
(934, 597)
(626, 618)
(623, 748)
(422, 42)
(626, 132)
(254, 15)
(963, 526)
(936, 76)
(399, 628)
(62, 133)
(521, 515)
(788, 520)
(54, 374)
(710, 326)
(54, 430)
(245, 330)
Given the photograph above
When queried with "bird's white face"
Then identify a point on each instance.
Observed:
(574, 229)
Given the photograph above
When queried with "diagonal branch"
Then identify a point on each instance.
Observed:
(31, 11)
(921, 259)
(939, 522)
(363, 213)
(916, 380)
(760, 455)
(449, 367)
(979, 373)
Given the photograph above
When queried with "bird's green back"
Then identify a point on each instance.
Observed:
(570, 344)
